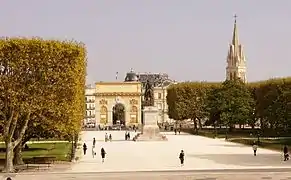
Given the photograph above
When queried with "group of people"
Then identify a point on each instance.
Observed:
(103, 152)
(285, 151)
(108, 138)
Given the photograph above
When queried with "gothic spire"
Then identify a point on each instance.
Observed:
(235, 40)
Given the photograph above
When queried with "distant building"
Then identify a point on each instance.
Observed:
(90, 105)
(160, 94)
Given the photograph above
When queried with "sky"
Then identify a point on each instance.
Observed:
(188, 39)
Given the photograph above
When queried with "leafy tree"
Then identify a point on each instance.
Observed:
(273, 105)
(40, 77)
(234, 103)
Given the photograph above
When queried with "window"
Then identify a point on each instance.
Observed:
(159, 106)
(159, 95)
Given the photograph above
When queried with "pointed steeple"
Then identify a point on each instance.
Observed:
(236, 61)
(235, 40)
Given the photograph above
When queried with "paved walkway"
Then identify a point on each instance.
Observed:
(201, 153)
(172, 175)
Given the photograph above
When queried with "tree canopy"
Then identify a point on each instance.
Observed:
(42, 84)
(230, 103)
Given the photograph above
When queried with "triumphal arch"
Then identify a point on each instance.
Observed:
(118, 103)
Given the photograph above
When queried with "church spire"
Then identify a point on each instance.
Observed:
(235, 40)
(236, 61)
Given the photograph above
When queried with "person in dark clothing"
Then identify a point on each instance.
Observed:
(128, 136)
(175, 131)
(181, 157)
(110, 137)
(286, 153)
(94, 142)
(103, 153)
(84, 148)
(125, 135)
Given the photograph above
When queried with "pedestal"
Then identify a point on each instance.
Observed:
(150, 129)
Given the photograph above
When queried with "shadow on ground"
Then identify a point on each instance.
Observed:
(228, 145)
(245, 159)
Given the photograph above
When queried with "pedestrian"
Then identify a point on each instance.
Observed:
(93, 152)
(84, 148)
(103, 153)
(94, 142)
(125, 135)
(110, 137)
(106, 137)
(128, 136)
(9, 178)
(255, 147)
(286, 153)
(181, 157)
(175, 131)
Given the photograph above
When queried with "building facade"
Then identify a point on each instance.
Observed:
(111, 94)
(103, 98)
(90, 105)
(236, 60)
(160, 93)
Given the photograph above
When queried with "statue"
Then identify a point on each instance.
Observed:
(149, 94)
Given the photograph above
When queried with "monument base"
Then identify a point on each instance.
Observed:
(150, 130)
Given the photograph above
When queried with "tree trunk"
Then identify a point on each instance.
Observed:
(9, 143)
(17, 160)
(9, 157)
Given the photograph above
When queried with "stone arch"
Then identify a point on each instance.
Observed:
(118, 114)
(103, 115)
(134, 114)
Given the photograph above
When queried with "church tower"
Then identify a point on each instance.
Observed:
(236, 61)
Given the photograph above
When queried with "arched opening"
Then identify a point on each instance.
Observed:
(118, 114)
(103, 115)
(133, 114)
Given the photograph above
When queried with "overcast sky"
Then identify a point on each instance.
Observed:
(188, 39)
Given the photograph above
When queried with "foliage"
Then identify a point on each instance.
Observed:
(266, 104)
(42, 85)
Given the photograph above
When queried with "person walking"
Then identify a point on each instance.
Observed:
(181, 157)
(110, 137)
(103, 153)
(128, 136)
(125, 135)
(106, 137)
(84, 148)
(255, 147)
(286, 153)
(94, 142)
(93, 152)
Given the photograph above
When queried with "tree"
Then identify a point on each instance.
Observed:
(188, 101)
(273, 107)
(40, 76)
(234, 102)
